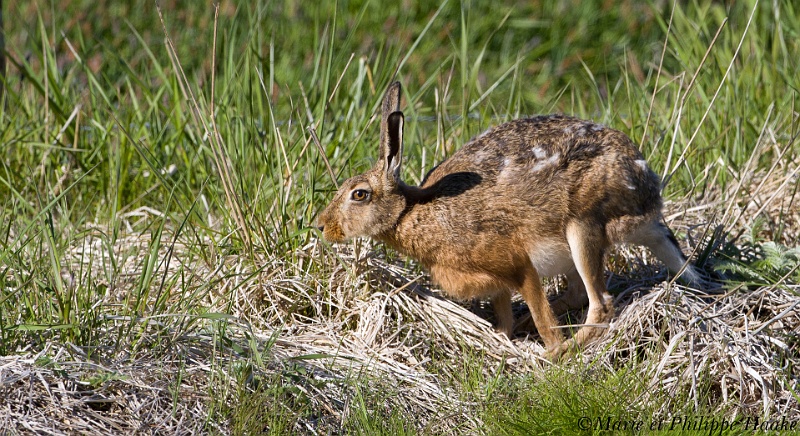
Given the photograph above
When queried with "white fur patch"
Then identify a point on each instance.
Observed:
(481, 155)
(641, 163)
(542, 164)
(539, 153)
(583, 129)
(551, 258)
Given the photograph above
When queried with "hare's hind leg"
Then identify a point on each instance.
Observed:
(662, 243)
(587, 244)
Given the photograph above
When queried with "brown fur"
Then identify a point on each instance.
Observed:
(532, 197)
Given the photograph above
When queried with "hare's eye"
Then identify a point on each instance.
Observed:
(360, 195)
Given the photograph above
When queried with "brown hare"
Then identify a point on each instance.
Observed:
(533, 197)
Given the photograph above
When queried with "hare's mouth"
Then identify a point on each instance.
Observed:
(332, 233)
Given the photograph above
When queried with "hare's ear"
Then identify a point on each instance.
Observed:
(391, 104)
(391, 101)
(391, 155)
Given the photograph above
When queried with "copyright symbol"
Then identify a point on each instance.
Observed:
(584, 423)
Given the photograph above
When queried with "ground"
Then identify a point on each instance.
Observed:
(162, 171)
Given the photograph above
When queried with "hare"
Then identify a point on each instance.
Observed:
(533, 197)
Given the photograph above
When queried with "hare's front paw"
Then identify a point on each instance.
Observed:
(562, 351)
(504, 330)
(585, 335)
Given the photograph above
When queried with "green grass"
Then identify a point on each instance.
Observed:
(592, 401)
(106, 143)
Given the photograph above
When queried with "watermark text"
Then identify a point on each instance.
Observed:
(711, 426)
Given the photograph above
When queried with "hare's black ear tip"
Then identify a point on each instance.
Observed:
(395, 119)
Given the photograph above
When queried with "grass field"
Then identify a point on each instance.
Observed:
(159, 181)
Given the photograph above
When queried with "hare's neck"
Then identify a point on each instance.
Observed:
(404, 235)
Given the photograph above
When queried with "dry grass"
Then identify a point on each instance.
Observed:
(194, 335)
(349, 314)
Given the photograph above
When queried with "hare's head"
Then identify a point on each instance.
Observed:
(370, 204)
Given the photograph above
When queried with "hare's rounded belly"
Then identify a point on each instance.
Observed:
(551, 258)
(470, 283)
(484, 276)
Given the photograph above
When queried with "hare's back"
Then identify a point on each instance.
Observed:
(519, 184)
(556, 163)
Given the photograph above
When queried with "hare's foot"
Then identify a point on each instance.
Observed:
(595, 327)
